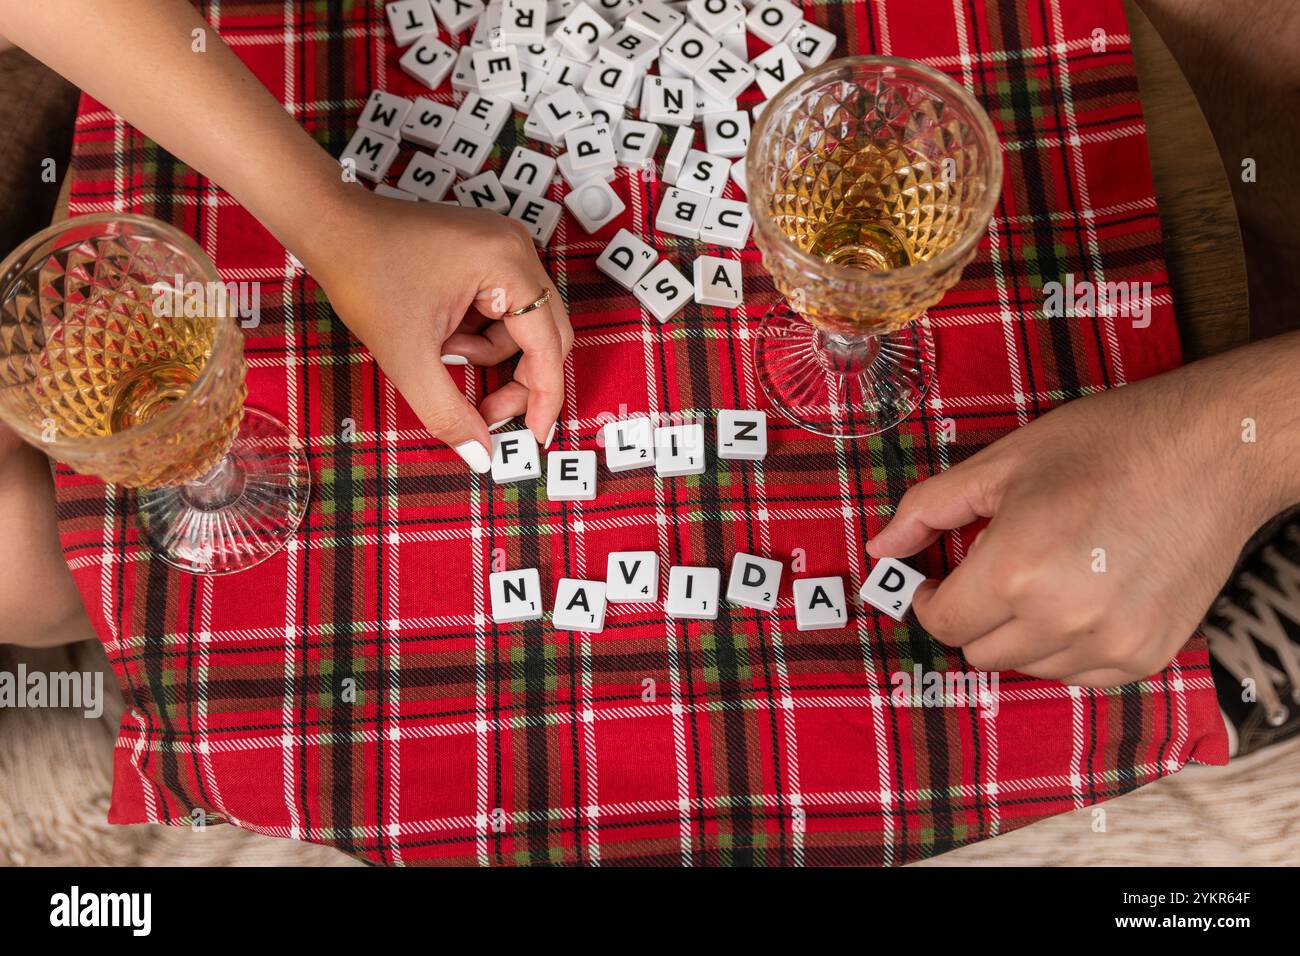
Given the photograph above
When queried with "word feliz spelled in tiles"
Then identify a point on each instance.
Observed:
(693, 593)
(601, 82)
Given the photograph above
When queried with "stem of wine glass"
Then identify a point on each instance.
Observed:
(845, 354)
(219, 487)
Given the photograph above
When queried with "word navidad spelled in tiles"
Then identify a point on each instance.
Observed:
(632, 577)
(600, 82)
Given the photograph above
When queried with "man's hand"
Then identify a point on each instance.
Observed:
(1154, 483)
(419, 282)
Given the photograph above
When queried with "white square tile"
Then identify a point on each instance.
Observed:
(528, 172)
(635, 143)
(571, 475)
(819, 604)
(727, 223)
(426, 177)
(727, 134)
(579, 606)
(539, 216)
(531, 78)
(679, 450)
(541, 55)
(575, 178)
(683, 142)
(613, 11)
(590, 147)
(427, 122)
(594, 204)
(704, 173)
(429, 61)
(497, 71)
(534, 130)
(681, 213)
(774, 68)
(483, 191)
(626, 259)
(566, 72)
(581, 32)
(890, 587)
(487, 114)
(561, 111)
(713, 16)
(724, 76)
(516, 595)
(632, 577)
(605, 113)
(718, 282)
(458, 15)
(610, 80)
(384, 113)
(523, 21)
(629, 444)
(369, 154)
(753, 582)
(668, 100)
(687, 50)
(664, 291)
(693, 593)
(487, 28)
(705, 104)
(656, 20)
(811, 44)
(514, 457)
(742, 434)
(735, 40)
(410, 19)
(772, 20)
(462, 72)
(465, 149)
(635, 49)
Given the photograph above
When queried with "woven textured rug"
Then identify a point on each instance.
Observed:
(738, 741)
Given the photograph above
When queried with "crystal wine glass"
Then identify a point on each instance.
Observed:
(871, 180)
(119, 357)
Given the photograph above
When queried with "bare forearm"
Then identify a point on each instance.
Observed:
(138, 57)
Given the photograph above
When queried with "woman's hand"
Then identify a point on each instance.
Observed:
(425, 285)
(1115, 519)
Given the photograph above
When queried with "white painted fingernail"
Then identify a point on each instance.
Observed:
(454, 360)
(476, 456)
(550, 436)
(504, 421)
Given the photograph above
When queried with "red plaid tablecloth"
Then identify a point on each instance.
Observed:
(657, 741)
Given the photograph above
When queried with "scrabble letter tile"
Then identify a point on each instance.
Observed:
(465, 149)
(483, 191)
(561, 111)
(384, 113)
(724, 75)
(679, 450)
(409, 19)
(714, 16)
(819, 604)
(656, 20)
(727, 134)
(772, 20)
(594, 204)
(632, 577)
(369, 154)
(718, 282)
(774, 68)
(579, 606)
(681, 213)
(727, 223)
(664, 291)
(683, 140)
(704, 173)
(523, 21)
(688, 50)
(590, 147)
(890, 586)
(429, 61)
(571, 475)
(581, 32)
(426, 177)
(427, 122)
(635, 142)
(458, 15)
(516, 595)
(742, 434)
(539, 216)
(528, 173)
(612, 80)
(753, 582)
(626, 259)
(628, 444)
(811, 44)
(497, 71)
(514, 456)
(668, 100)
(483, 113)
(693, 593)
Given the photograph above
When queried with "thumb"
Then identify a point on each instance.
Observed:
(433, 395)
(952, 499)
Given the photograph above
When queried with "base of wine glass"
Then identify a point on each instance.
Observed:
(839, 386)
(241, 512)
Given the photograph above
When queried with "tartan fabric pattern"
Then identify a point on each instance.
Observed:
(354, 691)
